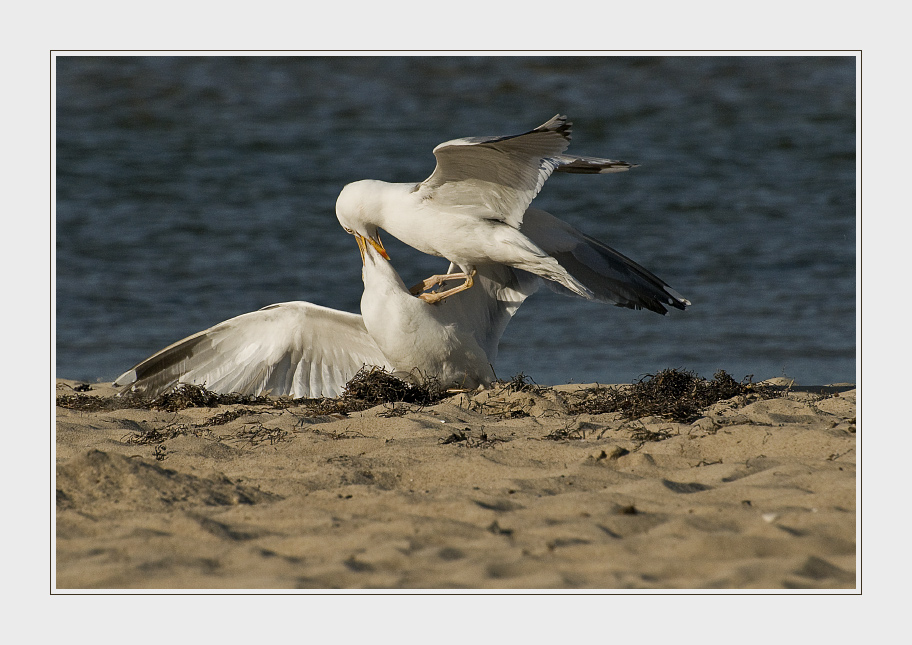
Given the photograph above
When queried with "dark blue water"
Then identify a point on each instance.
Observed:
(191, 190)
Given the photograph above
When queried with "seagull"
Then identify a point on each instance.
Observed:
(309, 351)
(474, 210)
(455, 342)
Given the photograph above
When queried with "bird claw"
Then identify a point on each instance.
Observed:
(435, 281)
(432, 297)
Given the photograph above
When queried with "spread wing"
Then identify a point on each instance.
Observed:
(292, 348)
(612, 277)
(496, 177)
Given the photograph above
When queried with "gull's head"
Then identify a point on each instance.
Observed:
(353, 213)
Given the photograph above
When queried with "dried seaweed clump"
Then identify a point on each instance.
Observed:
(521, 383)
(676, 395)
(374, 385)
(194, 396)
(149, 436)
(369, 387)
(84, 402)
(483, 441)
(181, 397)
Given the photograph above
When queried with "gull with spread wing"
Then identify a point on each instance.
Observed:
(305, 350)
(474, 211)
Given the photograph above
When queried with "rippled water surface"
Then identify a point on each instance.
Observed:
(191, 190)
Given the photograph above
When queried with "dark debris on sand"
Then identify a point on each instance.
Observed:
(153, 436)
(521, 383)
(676, 395)
(374, 385)
(180, 398)
(371, 386)
(672, 394)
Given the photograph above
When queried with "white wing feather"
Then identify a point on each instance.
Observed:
(292, 348)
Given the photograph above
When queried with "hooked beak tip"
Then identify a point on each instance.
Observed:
(364, 241)
(378, 246)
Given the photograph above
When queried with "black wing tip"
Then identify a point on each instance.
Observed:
(678, 303)
(657, 304)
(590, 166)
(559, 124)
(681, 306)
(676, 300)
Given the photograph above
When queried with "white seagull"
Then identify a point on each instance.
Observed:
(308, 351)
(474, 211)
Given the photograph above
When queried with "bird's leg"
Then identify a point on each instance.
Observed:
(435, 280)
(434, 297)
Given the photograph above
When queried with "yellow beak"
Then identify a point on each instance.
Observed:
(377, 244)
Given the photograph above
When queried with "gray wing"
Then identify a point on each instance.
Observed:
(496, 177)
(612, 277)
(292, 348)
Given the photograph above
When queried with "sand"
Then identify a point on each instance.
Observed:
(490, 490)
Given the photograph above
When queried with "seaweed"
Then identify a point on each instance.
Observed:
(672, 394)
(369, 387)
(521, 383)
(227, 416)
(256, 434)
(181, 397)
(374, 385)
(483, 440)
(195, 396)
(676, 395)
(148, 436)
(643, 435)
(85, 403)
(338, 436)
(567, 433)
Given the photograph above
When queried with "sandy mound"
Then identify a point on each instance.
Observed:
(514, 487)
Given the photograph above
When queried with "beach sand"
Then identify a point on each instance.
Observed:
(500, 489)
